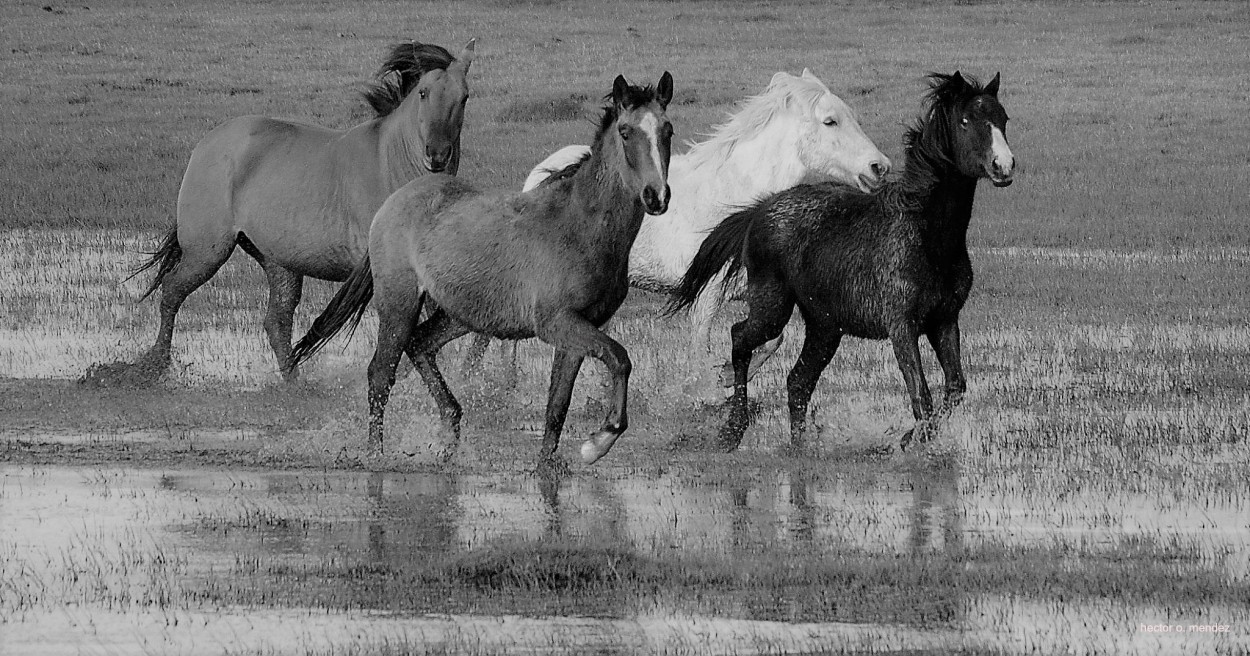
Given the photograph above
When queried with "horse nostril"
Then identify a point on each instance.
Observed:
(879, 169)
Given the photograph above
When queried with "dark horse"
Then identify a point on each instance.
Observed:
(888, 264)
(299, 198)
(551, 263)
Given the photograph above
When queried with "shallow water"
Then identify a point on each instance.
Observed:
(112, 560)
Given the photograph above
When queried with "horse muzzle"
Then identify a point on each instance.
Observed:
(653, 202)
(435, 165)
(1002, 176)
(875, 177)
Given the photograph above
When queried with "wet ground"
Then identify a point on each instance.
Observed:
(1090, 492)
(873, 554)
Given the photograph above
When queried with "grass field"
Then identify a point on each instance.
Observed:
(1094, 481)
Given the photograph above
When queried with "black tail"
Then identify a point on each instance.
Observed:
(725, 245)
(347, 307)
(164, 258)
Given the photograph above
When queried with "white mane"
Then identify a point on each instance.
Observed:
(757, 112)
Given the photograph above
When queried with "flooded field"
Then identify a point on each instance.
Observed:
(1090, 493)
(773, 558)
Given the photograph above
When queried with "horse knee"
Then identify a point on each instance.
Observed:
(618, 361)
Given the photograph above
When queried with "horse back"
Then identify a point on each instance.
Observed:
(302, 194)
(853, 264)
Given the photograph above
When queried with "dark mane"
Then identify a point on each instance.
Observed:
(634, 97)
(401, 71)
(927, 137)
(926, 141)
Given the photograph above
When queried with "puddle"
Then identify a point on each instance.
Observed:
(198, 561)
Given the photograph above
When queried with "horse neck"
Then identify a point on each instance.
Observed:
(944, 199)
(400, 147)
(599, 198)
(746, 167)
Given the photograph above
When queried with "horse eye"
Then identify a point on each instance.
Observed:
(423, 94)
(831, 121)
(963, 121)
(625, 131)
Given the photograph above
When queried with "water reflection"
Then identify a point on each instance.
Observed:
(391, 519)
(366, 537)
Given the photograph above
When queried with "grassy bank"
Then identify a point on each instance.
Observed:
(1123, 114)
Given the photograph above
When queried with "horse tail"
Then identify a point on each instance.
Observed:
(164, 258)
(723, 249)
(347, 308)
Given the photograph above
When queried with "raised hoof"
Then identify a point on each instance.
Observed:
(598, 445)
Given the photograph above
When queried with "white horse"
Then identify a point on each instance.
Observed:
(795, 129)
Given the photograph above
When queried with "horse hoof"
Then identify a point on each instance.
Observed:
(598, 446)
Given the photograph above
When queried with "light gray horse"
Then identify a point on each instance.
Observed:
(299, 198)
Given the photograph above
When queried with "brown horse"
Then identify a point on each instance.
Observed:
(552, 263)
(299, 198)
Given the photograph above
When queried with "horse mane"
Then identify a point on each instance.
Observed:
(927, 140)
(408, 61)
(634, 96)
(755, 113)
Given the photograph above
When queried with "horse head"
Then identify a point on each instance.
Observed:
(977, 125)
(440, 96)
(643, 134)
(830, 140)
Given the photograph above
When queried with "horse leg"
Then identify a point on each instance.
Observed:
(907, 353)
(423, 344)
(575, 338)
(763, 353)
(945, 342)
(394, 328)
(564, 369)
(769, 307)
(819, 345)
(196, 266)
(285, 289)
(702, 314)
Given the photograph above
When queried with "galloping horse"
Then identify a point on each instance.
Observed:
(891, 264)
(299, 198)
(551, 264)
(794, 129)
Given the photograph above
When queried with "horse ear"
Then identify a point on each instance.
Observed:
(807, 73)
(466, 55)
(992, 87)
(664, 92)
(959, 80)
(620, 91)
